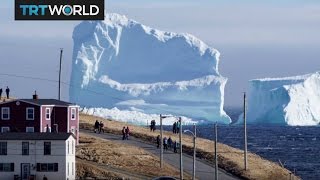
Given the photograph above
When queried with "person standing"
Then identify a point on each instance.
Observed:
(175, 145)
(153, 125)
(123, 133)
(96, 126)
(7, 92)
(0, 93)
(127, 133)
(165, 143)
(174, 127)
(178, 127)
(101, 127)
(170, 142)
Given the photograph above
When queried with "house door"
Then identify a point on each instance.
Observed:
(25, 171)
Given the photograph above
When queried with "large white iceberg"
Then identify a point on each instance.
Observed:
(121, 63)
(293, 101)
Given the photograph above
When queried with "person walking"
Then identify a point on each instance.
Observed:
(174, 128)
(158, 141)
(175, 145)
(165, 143)
(0, 93)
(127, 132)
(178, 127)
(153, 125)
(7, 92)
(96, 126)
(101, 127)
(123, 133)
(169, 142)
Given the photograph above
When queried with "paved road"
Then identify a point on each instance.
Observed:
(203, 170)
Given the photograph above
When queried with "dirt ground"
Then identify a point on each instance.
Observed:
(229, 158)
(103, 158)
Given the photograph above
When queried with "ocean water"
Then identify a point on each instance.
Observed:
(297, 148)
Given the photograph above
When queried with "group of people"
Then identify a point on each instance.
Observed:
(176, 127)
(153, 125)
(98, 127)
(167, 143)
(7, 92)
(125, 133)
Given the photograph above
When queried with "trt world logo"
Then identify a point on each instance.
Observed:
(59, 10)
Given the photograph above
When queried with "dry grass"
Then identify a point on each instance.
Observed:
(87, 171)
(230, 159)
(119, 157)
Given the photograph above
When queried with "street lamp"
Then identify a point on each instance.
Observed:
(161, 140)
(194, 150)
(180, 140)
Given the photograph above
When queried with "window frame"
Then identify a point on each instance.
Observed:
(73, 113)
(28, 149)
(46, 149)
(73, 130)
(5, 151)
(2, 110)
(28, 127)
(5, 127)
(2, 168)
(27, 113)
(55, 167)
(72, 146)
(46, 113)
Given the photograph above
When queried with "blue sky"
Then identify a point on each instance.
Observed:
(256, 39)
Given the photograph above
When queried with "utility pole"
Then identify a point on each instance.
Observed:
(215, 151)
(194, 151)
(59, 95)
(161, 143)
(245, 130)
(180, 140)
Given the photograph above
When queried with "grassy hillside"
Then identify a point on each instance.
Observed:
(101, 158)
(230, 159)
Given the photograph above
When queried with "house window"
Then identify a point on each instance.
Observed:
(25, 148)
(48, 113)
(73, 113)
(30, 113)
(47, 148)
(3, 148)
(5, 129)
(6, 167)
(72, 171)
(68, 169)
(72, 129)
(68, 147)
(5, 113)
(47, 167)
(29, 129)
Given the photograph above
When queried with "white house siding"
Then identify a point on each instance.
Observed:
(70, 158)
(36, 155)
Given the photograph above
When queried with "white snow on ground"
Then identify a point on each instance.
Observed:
(133, 116)
(293, 101)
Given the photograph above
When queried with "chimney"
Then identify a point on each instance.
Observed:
(35, 96)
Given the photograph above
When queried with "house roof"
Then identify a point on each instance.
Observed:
(34, 136)
(47, 102)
